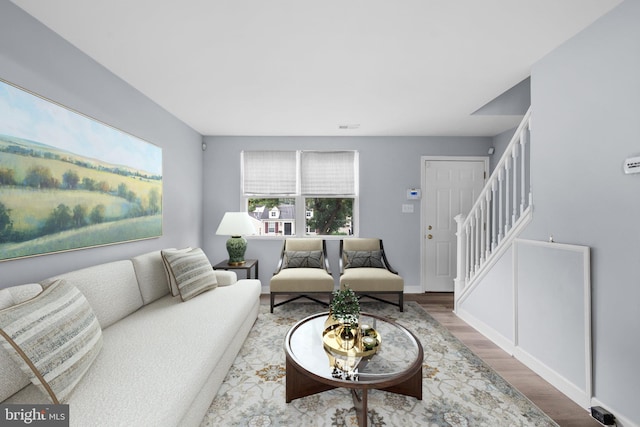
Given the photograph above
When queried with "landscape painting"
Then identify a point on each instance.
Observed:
(68, 181)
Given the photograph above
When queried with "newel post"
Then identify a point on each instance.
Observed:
(461, 258)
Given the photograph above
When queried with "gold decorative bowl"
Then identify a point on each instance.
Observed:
(333, 343)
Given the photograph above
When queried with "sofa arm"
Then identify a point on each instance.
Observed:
(226, 277)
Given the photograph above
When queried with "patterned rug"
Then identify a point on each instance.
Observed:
(459, 389)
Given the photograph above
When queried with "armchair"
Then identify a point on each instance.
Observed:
(365, 268)
(303, 270)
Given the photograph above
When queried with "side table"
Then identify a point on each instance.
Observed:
(247, 266)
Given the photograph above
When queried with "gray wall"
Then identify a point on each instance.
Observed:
(513, 102)
(388, 166)
(500, 143)
(586, 122)
(33, 57)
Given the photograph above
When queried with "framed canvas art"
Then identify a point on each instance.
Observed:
(68, 181)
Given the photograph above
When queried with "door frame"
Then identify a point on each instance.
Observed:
(423, 209)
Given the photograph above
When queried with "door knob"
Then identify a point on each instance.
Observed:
(429, 236)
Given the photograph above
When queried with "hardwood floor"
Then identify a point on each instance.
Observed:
(555, 404)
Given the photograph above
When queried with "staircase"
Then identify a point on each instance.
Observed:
(531, 298)
(501, 211)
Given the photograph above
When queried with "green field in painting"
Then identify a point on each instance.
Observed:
(30, 207)
(94, 235)
(22, 164)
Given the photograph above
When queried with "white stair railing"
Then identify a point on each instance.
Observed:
(500, 208)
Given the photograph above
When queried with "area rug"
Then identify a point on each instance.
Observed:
(459, 389)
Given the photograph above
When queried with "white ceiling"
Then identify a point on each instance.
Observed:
(300, 67)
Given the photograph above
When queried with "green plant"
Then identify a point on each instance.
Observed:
(345, 306)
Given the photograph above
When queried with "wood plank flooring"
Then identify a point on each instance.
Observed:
(555, 404)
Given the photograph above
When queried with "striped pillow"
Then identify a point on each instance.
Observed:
(54, 338)
(173, 287)
(192, 272)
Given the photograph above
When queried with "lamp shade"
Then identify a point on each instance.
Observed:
(236, 224)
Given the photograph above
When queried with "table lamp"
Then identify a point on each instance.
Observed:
(236, 225)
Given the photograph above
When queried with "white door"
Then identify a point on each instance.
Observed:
(450, 187)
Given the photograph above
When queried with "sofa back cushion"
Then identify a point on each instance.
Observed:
(151, 276)
(111, 289)
(13, 379)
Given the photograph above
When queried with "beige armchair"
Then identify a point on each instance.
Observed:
(303, 270)
(365, 268)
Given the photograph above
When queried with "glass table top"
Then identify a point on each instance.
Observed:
(397, 353)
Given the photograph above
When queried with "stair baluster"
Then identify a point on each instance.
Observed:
(494, 218)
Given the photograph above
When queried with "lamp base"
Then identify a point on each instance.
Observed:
(236, 247)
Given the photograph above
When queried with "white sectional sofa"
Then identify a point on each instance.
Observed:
(162, 360)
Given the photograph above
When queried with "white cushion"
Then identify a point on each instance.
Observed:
(151, 276)
(302, 280)
(365, 279)
(111, 289)
(225, 277)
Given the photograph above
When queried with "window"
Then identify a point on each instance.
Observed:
(316, 190)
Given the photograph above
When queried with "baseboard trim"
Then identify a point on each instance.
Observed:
(569, 389)
(548, 374)
(497, 338)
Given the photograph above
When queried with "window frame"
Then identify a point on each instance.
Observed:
(300, 199)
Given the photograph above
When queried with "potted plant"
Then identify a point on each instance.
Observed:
(345, 309)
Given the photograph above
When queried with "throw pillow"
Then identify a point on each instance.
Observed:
(357, 259)
(53, 337)
(173, 287)
(192, 272)
(303, 259)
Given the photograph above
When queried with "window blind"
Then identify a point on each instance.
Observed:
(269, 173)
(327, 173)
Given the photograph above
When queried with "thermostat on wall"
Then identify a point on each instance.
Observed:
(632, 165)
(414, 194)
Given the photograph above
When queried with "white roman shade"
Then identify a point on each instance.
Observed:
(328, 173)
(269, 173)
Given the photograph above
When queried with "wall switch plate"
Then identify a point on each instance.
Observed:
(407, 208)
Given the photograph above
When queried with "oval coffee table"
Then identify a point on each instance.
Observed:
(311, 368)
